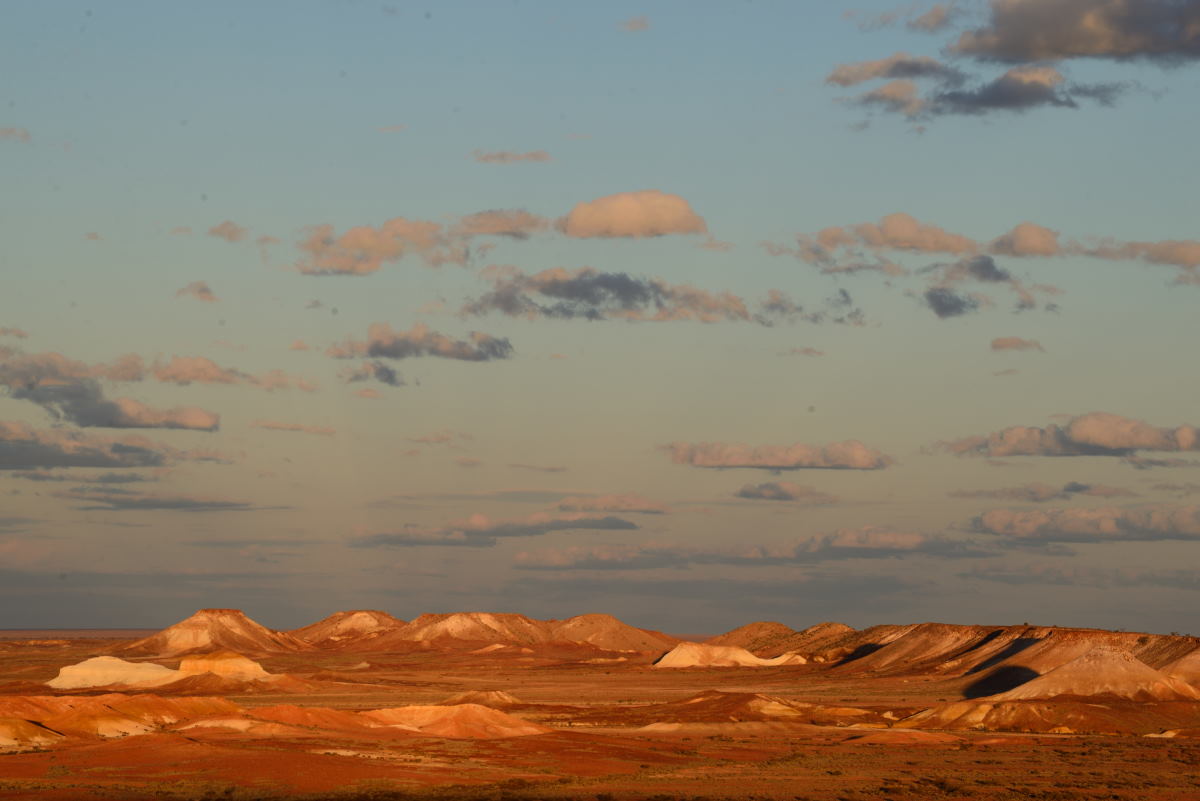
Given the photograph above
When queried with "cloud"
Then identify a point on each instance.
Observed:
(363, 249)
(509, 157)
(25, 448)
(848, 455)
(1023, 31)
(392, 128)
(948, 303)
(645, 213)
(198, 290)
(376, 370)
(1027, 239)
(1092, 434)
(1086, 576)
(1103, 524)
(803, 352)
(274, 425)
(589, 294)
(481, 531)
(62, 388)
(103, 478)
(630, 503)
(512, 223)
(865, 543)
(1041, 493)
(443, 436)
(898, 65)
(184, 370)
(938, 17)
(785, 491)
(111, 500)
(32, 369)
(420, 340)
(1019, 89)
(634, 24)
(298, 344)
(15, 135)
(1016, 343)
(229, 231)
(14, 332)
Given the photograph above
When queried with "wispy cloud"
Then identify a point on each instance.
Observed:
(385, 343)
(275, 425)
(848, 455)
(481, 531)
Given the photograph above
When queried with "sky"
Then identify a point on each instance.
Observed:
(691, 313)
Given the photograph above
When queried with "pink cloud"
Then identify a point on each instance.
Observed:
(275, 425)
(15, 135)
(645, 213)
(229, 231)
(628, 503)
(1016, 343)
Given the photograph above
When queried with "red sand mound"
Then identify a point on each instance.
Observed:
(213, 629)
(465, 721)
(496, 699)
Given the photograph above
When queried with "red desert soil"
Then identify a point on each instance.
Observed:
(477, 705)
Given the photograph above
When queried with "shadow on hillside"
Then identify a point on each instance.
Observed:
(858, 653)
(1015, 647)
(999, 681)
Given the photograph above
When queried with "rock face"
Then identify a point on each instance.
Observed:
(694, 654)
(1185, 668)
(215, 629)
(343, 627)
(103, 671)
(1103, 671)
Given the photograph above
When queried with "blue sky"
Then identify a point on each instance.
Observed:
(240, 198)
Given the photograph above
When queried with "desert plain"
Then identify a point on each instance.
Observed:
(479, 705)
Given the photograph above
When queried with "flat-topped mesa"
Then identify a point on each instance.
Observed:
(1103, 671)
(215, 629)
(342, 627)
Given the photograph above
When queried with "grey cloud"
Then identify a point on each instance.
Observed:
(479, 531)
(25, 448)
(126, 500)
(588, 294)
(82, 402)
(948, 303)
(1023, 31)
(784, 491)
(1041, 493)
(103, 478)
(419, 341)
(865, 543)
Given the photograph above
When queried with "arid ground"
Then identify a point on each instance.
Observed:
(352, 716)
